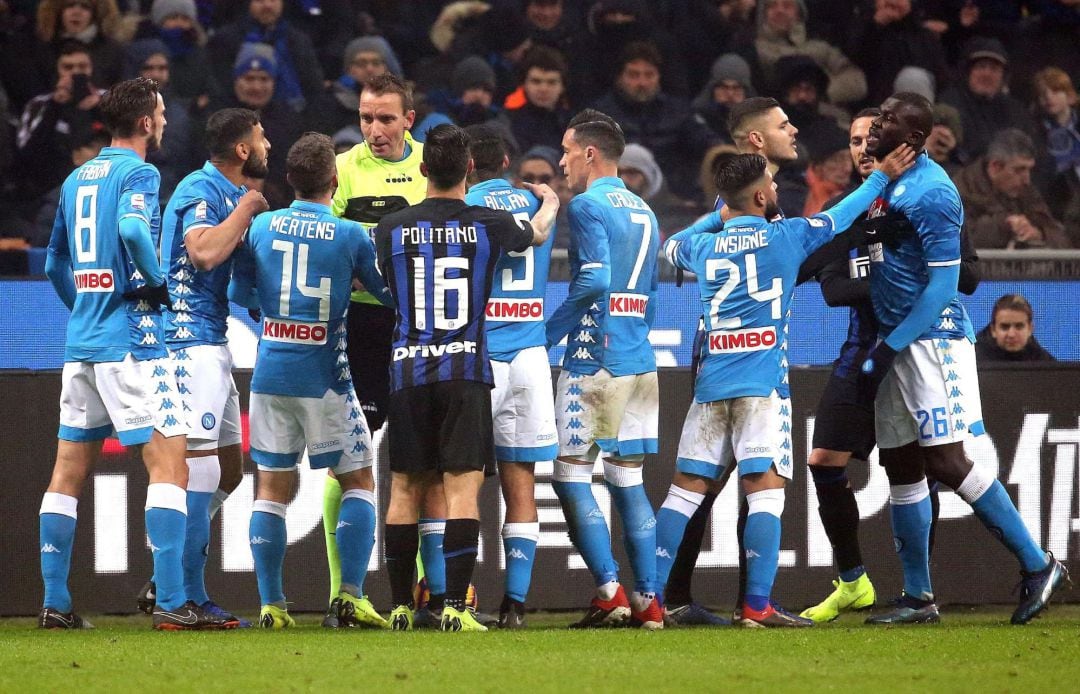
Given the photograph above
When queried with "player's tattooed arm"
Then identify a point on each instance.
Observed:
(209, 247)
(544, 219)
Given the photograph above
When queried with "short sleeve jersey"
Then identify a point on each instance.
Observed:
(614, 228)
(898, 276)
(438, 259)
(746, 275)
(301, 261)
(104, 327)
(204, 198)
(370, 188)
(515, 311)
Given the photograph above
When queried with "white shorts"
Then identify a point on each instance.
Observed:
(931, 395)
(523, 408)
(204, 377)
(131, 397)
(755, 432)
(332, 429)
(617, 414)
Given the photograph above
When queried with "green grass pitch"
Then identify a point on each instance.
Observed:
(971, 651)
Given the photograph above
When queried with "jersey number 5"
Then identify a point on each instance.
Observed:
(713, 268)
(320, 292)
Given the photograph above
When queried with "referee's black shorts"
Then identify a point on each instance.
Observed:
(371, 335)
(444, 427)
(844, 422)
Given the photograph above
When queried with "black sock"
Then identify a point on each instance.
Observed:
(677, 591)
(839, 514)
(460, 544)
(402, 543)
(935, 510)
(435, 602)
(744, 511)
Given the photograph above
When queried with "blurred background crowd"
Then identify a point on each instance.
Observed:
(1002, 75)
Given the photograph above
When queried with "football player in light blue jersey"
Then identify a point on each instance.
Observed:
(607, 398)
(203, 224)
(923, 374)
(522, 404)
(296, 266)
(741, 412)
(103, 262)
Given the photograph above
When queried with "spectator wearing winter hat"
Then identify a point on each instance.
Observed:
(642, 176)
(943, 143)
(471, 98)
(537, 111)
(255, 72)
(299, 78)
(729, 84)
(916, 80)
(782, 32)
(982, 98)
(176, 24)
(802, 87)
(338, 105)
(93, 23)
(178, 154)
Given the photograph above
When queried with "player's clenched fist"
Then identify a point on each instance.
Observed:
(254, 202)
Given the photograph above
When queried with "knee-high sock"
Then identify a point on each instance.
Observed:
(639, 524)
(268, 539)
(204, 473)
(680, 580)
(762, 542)
(331, 507)
(995, 509)
(57, 532)
(910, 510)
(402, 542)
(355, 538)
(460, 545)
(680, 506)
(433, 564)
(840, 517)
(588, 528)
(519, 546)
(935, 511)
(166, 521)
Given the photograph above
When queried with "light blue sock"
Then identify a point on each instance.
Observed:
(196, 544)
(267, 536)
(639, 532)
(519, 544)
(671, 521)
(355, 537)
(431, 553)
(57, 533)
(166, 527)
(761, 542)
(588, 529)
(911, 515)
(995, 509)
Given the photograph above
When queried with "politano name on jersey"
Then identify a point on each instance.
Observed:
(515, 311)
(297, 266)
(438, 258)
(97, 268)
(203, 199)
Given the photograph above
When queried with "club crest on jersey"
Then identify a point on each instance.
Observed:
(294, 332)
(748, 340)
(94, 280)
(632, 305)
(515, 310)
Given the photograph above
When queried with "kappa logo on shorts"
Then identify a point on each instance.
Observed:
(138, 421)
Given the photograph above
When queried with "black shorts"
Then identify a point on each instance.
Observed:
(371, 336)
(445, 427)
(843, 422)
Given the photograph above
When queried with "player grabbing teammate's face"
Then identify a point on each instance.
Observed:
(864, 163)
(256, 166)
(575, 162)
(384, 120)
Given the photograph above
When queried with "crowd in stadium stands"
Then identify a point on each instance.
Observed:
(1001, 73)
